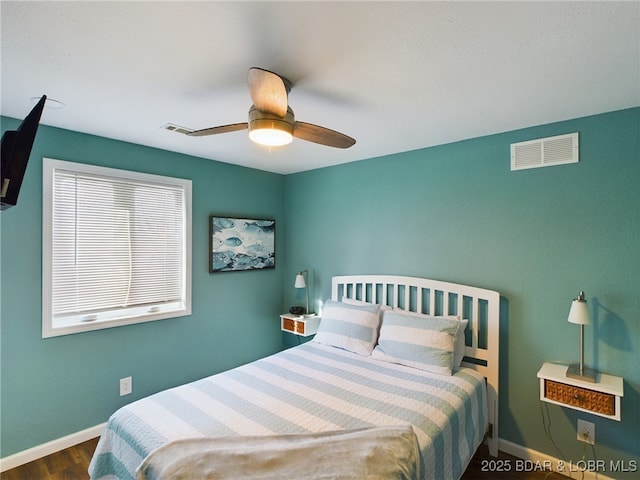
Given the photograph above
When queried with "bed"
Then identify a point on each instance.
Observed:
(324, 393)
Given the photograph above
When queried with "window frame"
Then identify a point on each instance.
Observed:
(135, 314)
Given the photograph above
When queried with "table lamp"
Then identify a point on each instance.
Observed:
(579, 314)
(301, 283)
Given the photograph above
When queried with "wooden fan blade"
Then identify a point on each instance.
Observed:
(221, 129)
(323, 136)
(268, 91)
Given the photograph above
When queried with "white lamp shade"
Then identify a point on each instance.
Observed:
(300, 283)
(579, 313)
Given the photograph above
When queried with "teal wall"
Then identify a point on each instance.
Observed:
(56, 386)
(453, 212)
(457, 213)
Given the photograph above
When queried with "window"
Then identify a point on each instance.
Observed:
(116, 247)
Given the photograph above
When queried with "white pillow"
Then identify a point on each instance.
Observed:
(353, 301)
(351, 327)
(383, 308)
(416, 340)
(459, 346)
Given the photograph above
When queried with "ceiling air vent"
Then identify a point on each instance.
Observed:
(176, 128)
(545, 152)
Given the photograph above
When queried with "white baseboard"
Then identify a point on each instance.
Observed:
(48, 448)
(542, 459)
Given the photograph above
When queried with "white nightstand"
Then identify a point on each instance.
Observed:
(299, 325)
(600, 398)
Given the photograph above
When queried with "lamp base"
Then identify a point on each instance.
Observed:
(586, 375)
(308, 315)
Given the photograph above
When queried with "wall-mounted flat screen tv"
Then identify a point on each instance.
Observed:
(16, 149)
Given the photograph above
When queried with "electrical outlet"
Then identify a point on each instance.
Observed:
(126, 386)
(586, 432)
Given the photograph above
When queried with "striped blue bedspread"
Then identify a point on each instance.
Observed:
(309, 388)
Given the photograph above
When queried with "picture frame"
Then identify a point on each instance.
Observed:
(241, 244)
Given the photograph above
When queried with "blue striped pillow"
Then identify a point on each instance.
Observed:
(351, 327)
(422, 342)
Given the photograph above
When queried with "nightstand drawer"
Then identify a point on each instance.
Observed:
(299, 325)
(598, 402)
(601, 397)
(293, 326)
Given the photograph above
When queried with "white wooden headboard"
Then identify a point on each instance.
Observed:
(481, 307)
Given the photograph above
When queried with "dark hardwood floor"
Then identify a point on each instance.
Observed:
(69, 464)
(72, 464)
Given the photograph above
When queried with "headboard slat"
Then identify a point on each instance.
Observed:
(432, 301)
(407, 298)
(475, 327)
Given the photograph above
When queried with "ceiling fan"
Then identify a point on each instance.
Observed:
(271, 120)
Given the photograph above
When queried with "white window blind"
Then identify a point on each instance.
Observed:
(119, 248)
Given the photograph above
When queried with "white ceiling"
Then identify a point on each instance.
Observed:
(396, 76)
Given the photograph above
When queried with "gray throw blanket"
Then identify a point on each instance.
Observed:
(379, 453)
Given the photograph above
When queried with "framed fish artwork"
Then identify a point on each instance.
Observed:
(239, 244)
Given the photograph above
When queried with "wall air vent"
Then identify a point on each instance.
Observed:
(545, 152)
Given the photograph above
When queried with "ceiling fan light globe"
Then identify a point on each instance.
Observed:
(271, 135)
